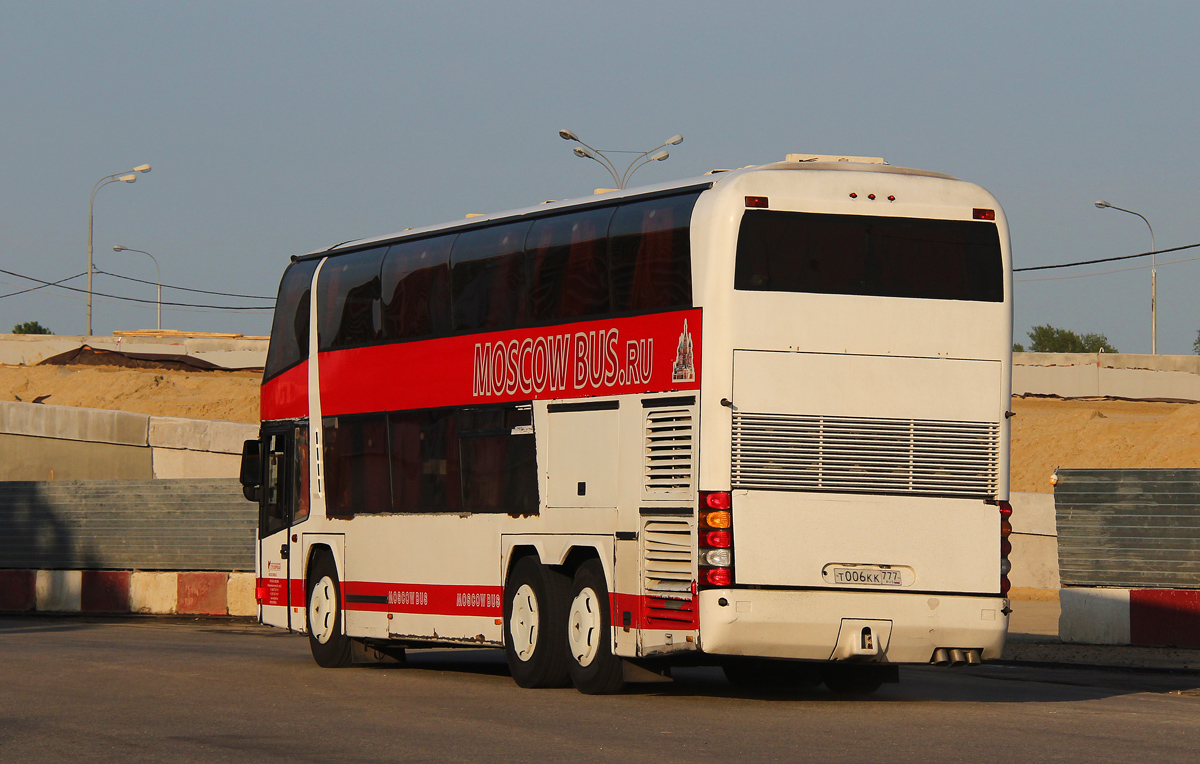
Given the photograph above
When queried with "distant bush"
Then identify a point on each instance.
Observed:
(30, 327)
(1049, 339)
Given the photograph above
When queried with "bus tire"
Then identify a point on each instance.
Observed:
(769, 675)
(852, 679)
(323, 611)
(534, 637)
(593, 667)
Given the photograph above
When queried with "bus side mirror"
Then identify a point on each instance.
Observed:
(251, 474)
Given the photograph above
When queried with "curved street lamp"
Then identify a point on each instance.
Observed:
(157, 272)
(601, 156)
(1101, 204)
(129, 177)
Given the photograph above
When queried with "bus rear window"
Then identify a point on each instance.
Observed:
(289, 328)
(864, 255)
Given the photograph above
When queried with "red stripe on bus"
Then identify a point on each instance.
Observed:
(285, 396)
(641, 354)
(432, 599)
(441, 599)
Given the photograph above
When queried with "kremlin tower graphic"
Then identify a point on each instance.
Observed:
(684, 369)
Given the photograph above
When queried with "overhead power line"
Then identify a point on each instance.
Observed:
(43, 286)
(1104, 259)
(183, 289)
(135, 299)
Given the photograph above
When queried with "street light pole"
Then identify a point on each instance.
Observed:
(157, 273)
(117, 176)
(601, 156)
(1101, 204)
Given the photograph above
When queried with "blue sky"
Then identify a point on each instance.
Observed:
(280, 128)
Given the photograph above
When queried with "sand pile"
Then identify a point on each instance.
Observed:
(231, 395)
(1099, 434)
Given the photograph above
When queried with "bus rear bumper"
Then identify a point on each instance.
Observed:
(829, 625)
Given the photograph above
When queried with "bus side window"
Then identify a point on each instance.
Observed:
(348, 291)
(356, 465)
(650, 254)
(488, 277)
(273, 513)
(424, 460)
(415, 282)
(301, 488)
(289, 333)
(567, 265)
(499, 467)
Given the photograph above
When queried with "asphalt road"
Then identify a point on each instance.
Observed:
(134, 690)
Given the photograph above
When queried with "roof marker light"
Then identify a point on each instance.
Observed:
(756, 201)
(983, 214)
(853, 195)
(871, 197)
(891, 198)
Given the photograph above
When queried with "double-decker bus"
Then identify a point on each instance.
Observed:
(756, 419)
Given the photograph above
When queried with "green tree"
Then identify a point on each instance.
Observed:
(1196, 344)
(1018, 347)
(1049, 339)
(30, 327)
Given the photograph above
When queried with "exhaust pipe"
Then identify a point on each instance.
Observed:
(957, 657)
(973, 658)
(941, 657)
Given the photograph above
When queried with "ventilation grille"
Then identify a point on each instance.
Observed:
(816, 453)
(668, 449)
(668, 558)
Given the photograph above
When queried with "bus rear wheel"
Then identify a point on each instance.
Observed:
(594, 669)
(534, 642)
(330, 647)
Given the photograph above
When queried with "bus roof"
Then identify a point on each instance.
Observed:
(708, 180)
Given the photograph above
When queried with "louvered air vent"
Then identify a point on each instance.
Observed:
(859, 455)
(668, 449)
(668, 552)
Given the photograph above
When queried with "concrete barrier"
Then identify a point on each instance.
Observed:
(1034, 557)
(1114, 375)
(1142, 617)
(69, 443)
(123, 591)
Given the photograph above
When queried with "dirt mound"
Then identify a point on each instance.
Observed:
(198, 394)
(1099, 434)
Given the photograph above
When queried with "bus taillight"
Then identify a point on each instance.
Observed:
(1005, 546)
(715, 539)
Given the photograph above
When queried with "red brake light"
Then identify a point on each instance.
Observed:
(718, 539)
(716, 500)
(1004, 583)
(1005, 510)
(756, 201)
(1005, 547)
(983, 214)
(717, 576)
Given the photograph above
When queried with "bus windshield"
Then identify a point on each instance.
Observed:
(865, 255)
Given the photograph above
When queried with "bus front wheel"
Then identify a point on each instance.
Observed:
(534, 642)
(330, 647)
(594, 669)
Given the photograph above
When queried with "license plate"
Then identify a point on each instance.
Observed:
(865, 576)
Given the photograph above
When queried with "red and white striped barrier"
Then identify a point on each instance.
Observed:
(124, 591)
(1144, 617)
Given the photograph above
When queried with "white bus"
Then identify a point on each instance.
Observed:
(757, 419)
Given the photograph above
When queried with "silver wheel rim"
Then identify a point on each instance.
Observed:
(523, 625)
(322, 610)
(584, 627)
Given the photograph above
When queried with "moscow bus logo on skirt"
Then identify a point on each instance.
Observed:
(590, 360)
(684, 369)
